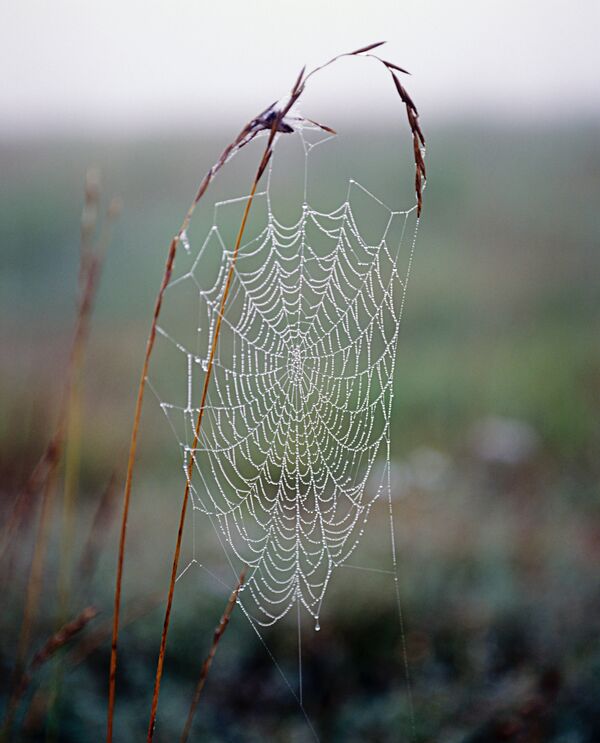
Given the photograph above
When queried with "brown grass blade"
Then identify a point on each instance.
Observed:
(263, 166)
(64, 635)
(418, 137)
(298, 83)
(136, 610)
(392, 66)
(403, 93)
(34, 581)
(419, 160)
(128, 482)
(23, 503)
(219, 631)
(324, 127)
(89, 269)
(367, 48)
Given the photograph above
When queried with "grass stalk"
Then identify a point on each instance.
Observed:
(91, 256)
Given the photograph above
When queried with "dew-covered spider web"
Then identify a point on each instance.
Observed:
(294, 448)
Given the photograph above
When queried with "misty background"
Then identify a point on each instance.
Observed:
(117, 66)
(497, 392)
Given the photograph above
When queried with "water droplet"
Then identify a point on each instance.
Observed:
(185, 241)
(317, 626)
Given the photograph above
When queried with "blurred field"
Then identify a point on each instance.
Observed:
(496, 441)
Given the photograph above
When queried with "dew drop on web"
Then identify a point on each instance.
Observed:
(185, 241)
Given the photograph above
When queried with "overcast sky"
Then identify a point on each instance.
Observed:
(119, 64)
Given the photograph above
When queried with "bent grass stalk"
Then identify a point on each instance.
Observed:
(245, 136)
(296, 92)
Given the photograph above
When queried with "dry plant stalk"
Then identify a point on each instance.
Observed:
(219, 632)
(45, 474)
(128, 482)
(271, 119)
(89, 260)
(57, 641)
(89, 269)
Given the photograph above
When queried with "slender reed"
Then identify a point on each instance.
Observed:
(92, 256)
(219, 632)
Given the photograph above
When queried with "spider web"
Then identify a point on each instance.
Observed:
(294, 448)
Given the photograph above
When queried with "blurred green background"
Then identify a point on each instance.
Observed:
(495, 449)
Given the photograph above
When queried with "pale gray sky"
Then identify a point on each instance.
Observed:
(117, 64)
